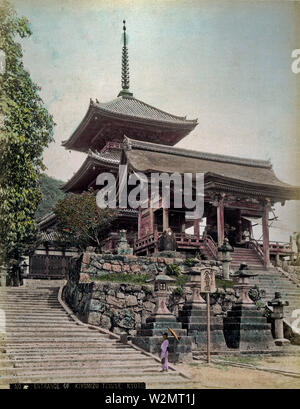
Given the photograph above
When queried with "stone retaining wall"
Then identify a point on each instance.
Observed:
(123, 307)
(95, 264)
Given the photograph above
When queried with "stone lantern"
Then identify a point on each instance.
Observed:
(245, 327)
(149, 336)
(225, 251)
(195, 284)
(123, 246)
(243, 286)
(161, 288)
(277, 315)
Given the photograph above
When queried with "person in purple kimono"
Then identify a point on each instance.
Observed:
(164, 353)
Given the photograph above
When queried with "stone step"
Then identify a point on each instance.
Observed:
(58, 334)
(103, 371)
(84, 362)
(38, 315)
(105, 355)
(236, 266)
(60, 341)
(280, 282)
(27, 298)
(290, 296)
(30, 308)
(35, 325)
(57, 314)
(286, 286)
(68, 349)
(72, 357)
(5, 363)
(154, 381)
(88, 367)
(30, 303)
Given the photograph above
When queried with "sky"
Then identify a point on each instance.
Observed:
(227, 63)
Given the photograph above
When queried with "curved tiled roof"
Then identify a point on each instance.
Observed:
(228, 171)
(138, 109)
(90, 167)
(187, 153)
(127, 115)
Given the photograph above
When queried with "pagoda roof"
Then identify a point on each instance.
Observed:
(130, 116)
(221, 172)
(137, 109)
(94, 163)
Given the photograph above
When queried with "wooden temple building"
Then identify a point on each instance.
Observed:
(237, 190)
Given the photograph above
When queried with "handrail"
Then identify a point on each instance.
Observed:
(210, 245)
(280, 245)
(256, 246)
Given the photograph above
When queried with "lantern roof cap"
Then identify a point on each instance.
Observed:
(244, 271)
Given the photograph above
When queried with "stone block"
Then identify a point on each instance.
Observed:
(149, 306)
(106, 266)
(131, 300)
(96, 305)
(115, 301)
(131, 257)
(94, 318)
(116, 268)
(135, 268)
(105, 322)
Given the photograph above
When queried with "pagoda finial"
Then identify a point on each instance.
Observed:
(125, 66)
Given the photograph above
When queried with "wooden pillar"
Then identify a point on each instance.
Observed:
(239, 226)
(265, 229)
(140, 224)
(183, 227)
(165, 219)
(196, 227)
(220, 222)
(151, 211)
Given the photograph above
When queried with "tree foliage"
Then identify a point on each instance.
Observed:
(51, 194)
(81, 222)
(26, 130)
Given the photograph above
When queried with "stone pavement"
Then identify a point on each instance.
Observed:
(42, 343)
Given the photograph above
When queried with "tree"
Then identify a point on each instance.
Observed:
(26, 130)
(51, 194)
(81, 223)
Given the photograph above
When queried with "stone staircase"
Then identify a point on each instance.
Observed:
(43, 344)
(248, 256)
(272, 280)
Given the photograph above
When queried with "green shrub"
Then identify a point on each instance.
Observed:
(178, 291)
(173, 270)
(189, 262)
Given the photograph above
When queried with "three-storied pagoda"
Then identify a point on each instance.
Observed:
(236, 189)
(102, 130)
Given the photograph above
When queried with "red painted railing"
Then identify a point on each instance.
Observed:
(278, 247)
(191, 241)
(211, 246)
(255, 245)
